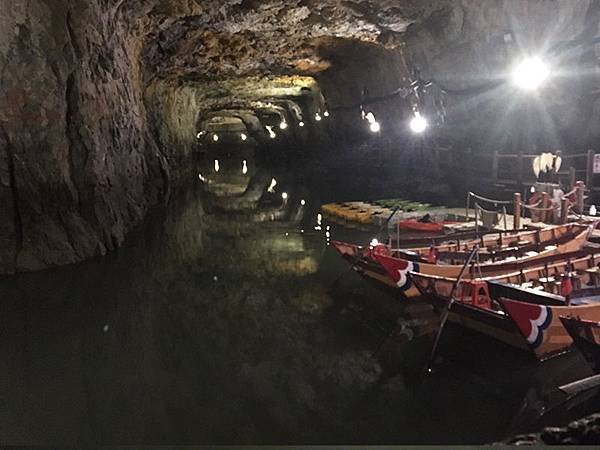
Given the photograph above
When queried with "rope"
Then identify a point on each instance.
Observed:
(538, 208)
(489, 200)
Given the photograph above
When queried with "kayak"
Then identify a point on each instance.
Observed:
(426, 227)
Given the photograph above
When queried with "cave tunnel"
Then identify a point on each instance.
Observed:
(244, 222)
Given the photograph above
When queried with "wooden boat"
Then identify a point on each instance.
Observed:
(586, 336)
(554, 241)
(515, 309)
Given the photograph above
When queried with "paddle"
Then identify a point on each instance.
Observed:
(448, 306)
(357, 257)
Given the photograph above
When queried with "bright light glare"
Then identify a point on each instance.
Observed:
(215, 137)
(370, 117)
(418, 123)
(374, 242)
(375, 127)
(303, 202)
(200, 134)
(283, 125)
(317, 117)
(244, 168)
(271, 187)
(530, 74)
(217, 167)
(243, 136)
(301, 124)
(201, 177)
(326, 113)
(284, 195)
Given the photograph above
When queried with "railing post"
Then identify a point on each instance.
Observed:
(517, 211)
(571, 178)
(543, 216)
(589, 169)
(564, 210)
(495, 166)
(520, 167)
(580, 193)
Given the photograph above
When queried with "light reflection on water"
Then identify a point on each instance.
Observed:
(210, 327)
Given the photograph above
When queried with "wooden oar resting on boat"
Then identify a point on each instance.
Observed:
(522, 308)
(586, 336)
(390, 267)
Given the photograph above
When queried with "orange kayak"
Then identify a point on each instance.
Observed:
(415, 225)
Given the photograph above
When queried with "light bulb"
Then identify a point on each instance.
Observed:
(215, 137)
(284, 195)
(217, 165)
(301, 124)
(530, 73)
(374, 242)
(244, 168)
(243, 136)
(303, 202)
(326, 113)
(370, 117)
(375, 127)
(283, 125)
(271, 187)
(317, 117)
(418, 124)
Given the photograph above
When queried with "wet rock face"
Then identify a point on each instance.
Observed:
(78, 166)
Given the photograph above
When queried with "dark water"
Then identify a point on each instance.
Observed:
(212, 328)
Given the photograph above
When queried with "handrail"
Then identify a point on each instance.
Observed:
(489, 200)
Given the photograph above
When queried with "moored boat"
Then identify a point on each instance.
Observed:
(493, 261)
(515, 310)
(586, 336)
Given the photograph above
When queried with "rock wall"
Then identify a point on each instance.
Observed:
(78, 166)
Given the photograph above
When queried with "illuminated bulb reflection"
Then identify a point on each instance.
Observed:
(370, 117)
(319, 219)
(243, 136)
(301, 124)
(244, 167)
(317, 117)
(284, 195)
(303, 202)
(272, 134)
(326, 113)
(200, 134)
(201, 177)
(375, 127)
(271, 187)
(217, 165)
(283, 125)
(215, 137)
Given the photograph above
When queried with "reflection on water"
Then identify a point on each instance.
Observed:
(215, 324)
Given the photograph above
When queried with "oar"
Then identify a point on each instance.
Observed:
(357, 257)
(448, 306)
